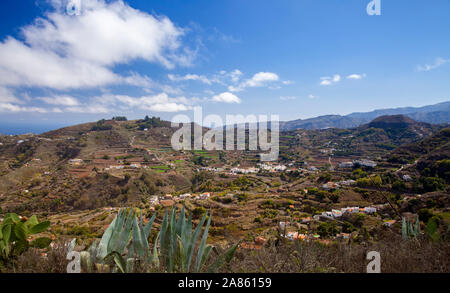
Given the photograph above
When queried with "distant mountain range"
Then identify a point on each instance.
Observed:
(434, 114)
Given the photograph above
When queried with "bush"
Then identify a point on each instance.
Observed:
(431, 184)
(327, 229)
(425, 215)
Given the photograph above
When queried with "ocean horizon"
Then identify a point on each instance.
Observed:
(25, 128)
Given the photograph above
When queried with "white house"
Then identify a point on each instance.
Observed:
(336, 213)
(330, 185)
(185, 195)
(407, 178)
(75, 161)
(205, 195)
(369, 210)
(344, 165)
(365, 163)
(154, 200)
(389, 223)
(348, 182)
(327, 214)
(351, 210)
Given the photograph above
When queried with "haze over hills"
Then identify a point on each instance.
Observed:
(434, 114)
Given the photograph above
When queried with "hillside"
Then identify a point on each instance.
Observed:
(78, 177)
(370, 140)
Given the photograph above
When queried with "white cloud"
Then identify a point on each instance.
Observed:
(159, 103)
(235, 75)
(258, 80)
(7, 96)
(60, 100)
(261, 78)
(287, 98)
(168, 107)
(226, 98)
(62, 51)
(149, 84)
(310, 96)
(437, 63)
(327, 80)
(8, 107)
(356, 76)
(196, 77)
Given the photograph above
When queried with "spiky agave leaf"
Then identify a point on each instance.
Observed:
(117, 235)
(202, 248)
(222, 259)
(192, 241)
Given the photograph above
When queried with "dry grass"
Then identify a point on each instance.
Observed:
(415, 256)
(33, 261)
(397, 256)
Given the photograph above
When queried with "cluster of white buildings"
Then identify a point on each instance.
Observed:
(334, 185)
(362, 163)
(244, 171)
(212, 169)
(155, 199)
(76, 161)
(270, 168)
(350, 210)
(249, 170)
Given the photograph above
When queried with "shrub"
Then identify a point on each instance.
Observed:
(15, 232)
(327, 229)
(424, 215)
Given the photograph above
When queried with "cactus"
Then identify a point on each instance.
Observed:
(408, 230)
(15, 232)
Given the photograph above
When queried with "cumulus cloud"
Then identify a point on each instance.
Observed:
(327, 80)
(168, 107)
(61, 51)
(235, 75)
(226, 97)
(60, 100)
(356, 76)
(258, 80)
(158, 103)
(437, 63)
(8, 107)
(196, 77)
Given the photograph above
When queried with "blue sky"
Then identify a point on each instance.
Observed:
(297, 59)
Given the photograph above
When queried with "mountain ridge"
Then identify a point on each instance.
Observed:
(434, 114)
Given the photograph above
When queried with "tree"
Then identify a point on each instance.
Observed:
(120, 118)
(327, 229)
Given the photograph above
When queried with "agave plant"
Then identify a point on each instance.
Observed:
(126, 242)
(178, 241)
(408, 230)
